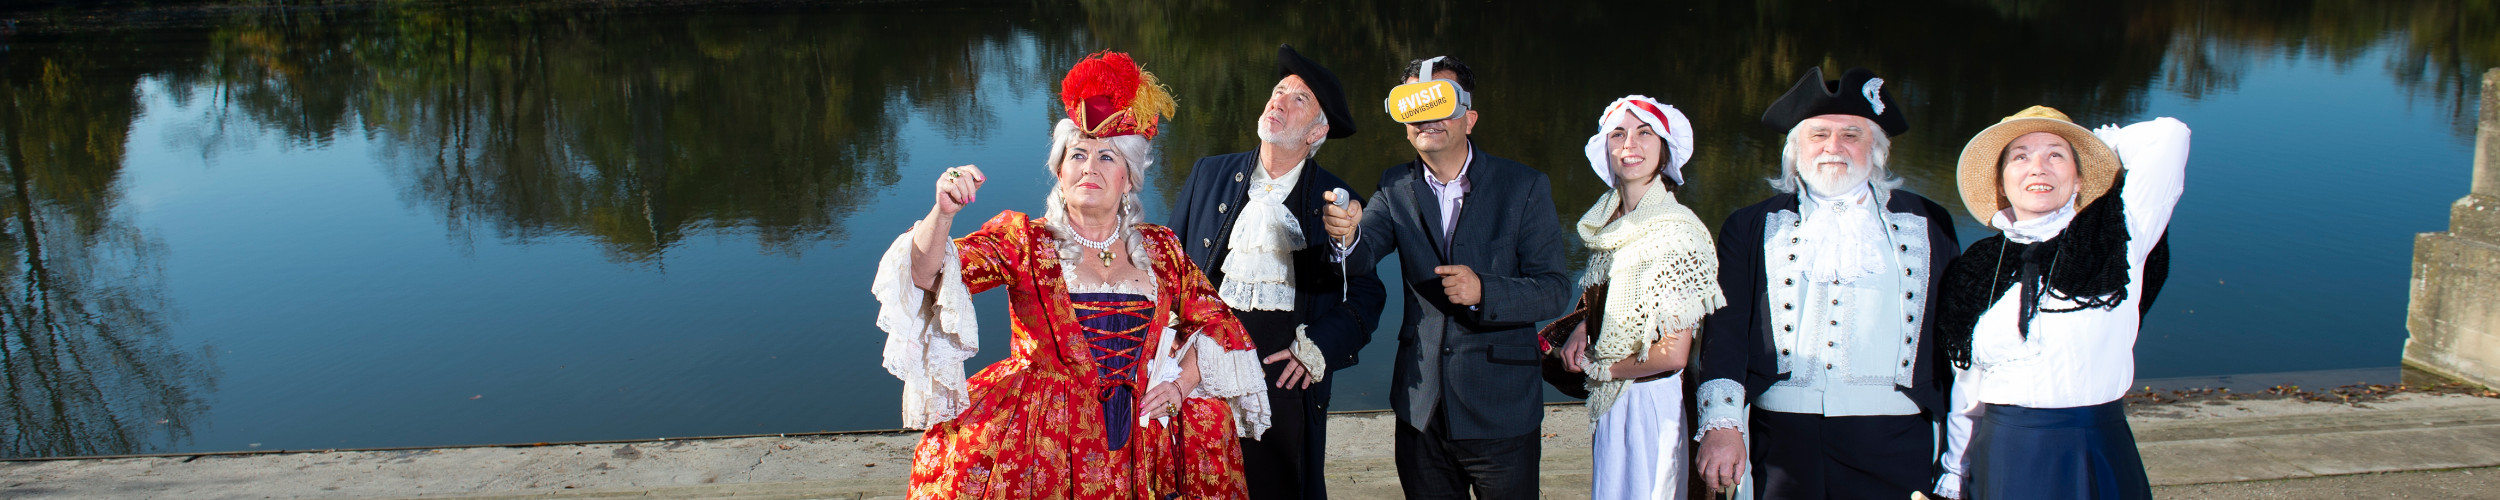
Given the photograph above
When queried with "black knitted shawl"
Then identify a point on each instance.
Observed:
(2086, 264)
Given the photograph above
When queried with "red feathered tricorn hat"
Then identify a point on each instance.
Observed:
(1108, 95)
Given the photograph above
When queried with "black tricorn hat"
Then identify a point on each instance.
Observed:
(1323, 86)
(1857, 93)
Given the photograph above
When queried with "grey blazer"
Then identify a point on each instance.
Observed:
(1478, 366)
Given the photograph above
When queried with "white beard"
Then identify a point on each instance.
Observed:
(1283, 137)
(1265, 136)
(1831, 182)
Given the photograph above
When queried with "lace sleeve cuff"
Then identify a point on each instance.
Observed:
(1308, 354)
(929, 334)
(1722, 403)
(1235, 377)
(1949, 485)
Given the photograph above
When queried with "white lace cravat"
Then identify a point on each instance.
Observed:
(1258, 274)
(1841, 237)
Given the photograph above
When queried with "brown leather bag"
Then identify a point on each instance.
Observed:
(1557, 333)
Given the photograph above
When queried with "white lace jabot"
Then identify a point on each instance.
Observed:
(1843, 236)
(1258, 271)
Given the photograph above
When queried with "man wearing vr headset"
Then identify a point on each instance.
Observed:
(1482, 255)
(1251, 221)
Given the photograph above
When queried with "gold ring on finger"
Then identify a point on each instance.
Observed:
(953, 173)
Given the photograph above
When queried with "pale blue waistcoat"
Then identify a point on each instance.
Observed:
(1845, 346)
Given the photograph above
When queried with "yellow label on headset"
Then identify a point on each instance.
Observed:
(1424, 101)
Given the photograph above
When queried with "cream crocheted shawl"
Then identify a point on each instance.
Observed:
(1663, 273)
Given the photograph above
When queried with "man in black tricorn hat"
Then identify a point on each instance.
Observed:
(1824, 357)
(1252, 222)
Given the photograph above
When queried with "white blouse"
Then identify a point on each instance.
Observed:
(2078, 358)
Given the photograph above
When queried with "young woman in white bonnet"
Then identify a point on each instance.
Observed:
(1652, 274)
(2040, 322)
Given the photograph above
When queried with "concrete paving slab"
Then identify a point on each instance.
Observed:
(2386, 451)
(2184, 444)
(2462, 484)
(2212, 461)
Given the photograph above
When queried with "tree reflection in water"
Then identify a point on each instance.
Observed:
(631, 130)
(1544, 68)
(86, 363)
(637, 130)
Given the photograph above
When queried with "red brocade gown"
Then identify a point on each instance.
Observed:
(1058, 417)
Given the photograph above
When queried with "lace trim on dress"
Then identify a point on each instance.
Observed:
(929, 335)
(1145, 288)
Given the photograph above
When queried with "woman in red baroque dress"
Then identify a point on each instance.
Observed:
(1128, 378)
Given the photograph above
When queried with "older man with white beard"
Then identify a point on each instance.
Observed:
(1823, 363)
(1252, 222)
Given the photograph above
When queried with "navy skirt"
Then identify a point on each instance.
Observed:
(2056, 453)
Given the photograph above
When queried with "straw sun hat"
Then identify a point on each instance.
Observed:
(2095, 165)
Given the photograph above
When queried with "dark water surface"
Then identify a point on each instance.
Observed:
(434, 226)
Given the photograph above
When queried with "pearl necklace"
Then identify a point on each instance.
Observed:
(1104, 246)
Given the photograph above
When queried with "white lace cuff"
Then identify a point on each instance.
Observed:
(1949, 485)
(1722, 406)
(1308, 354)
(1235, 377)
(928, 335)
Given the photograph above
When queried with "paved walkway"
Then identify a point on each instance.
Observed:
(2408, 446)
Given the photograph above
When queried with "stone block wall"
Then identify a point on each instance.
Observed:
(2455, 315)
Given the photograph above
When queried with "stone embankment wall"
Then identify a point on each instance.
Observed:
(2455, 316)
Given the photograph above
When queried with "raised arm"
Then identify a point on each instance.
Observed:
(1360, 233)
(959, 186)
(924, 286)
(1343, 328)
(2155, 155)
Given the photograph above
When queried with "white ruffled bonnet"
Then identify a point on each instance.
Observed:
(1668, 121)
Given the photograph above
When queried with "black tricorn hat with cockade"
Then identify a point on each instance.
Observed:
(1323, 85)
(1857, 93)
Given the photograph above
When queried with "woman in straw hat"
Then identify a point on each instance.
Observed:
(1652, 274)
(1128, 377)
(2040, 322)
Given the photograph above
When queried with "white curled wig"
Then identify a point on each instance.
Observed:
(1134, 148)
(1880, 156)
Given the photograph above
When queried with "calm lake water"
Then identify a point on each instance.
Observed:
(428, 226)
